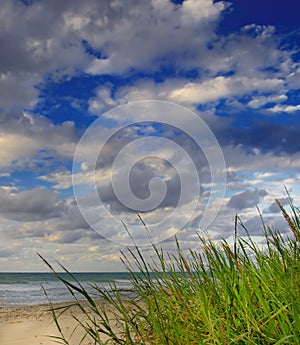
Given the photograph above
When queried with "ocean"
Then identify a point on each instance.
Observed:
(17, 289)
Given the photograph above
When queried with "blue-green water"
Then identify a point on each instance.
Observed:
(26, 288)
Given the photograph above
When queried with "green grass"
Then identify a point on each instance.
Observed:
(221, 294)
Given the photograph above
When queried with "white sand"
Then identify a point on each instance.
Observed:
(31, 325)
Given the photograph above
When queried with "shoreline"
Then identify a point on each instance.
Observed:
(33, 324)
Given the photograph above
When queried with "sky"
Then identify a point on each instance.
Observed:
(183, 112)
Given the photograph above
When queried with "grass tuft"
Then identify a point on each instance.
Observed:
(221, 294)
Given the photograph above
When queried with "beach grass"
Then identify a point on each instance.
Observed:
(224, 293)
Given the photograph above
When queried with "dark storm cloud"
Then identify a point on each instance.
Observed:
(246, 199)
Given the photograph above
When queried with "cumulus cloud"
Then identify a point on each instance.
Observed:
(109, 38)
(274, 208)
(248, 198)
(161, 24)
(30, 205)
(59, 39)
(178, 91)
(32, 49)
(45, 42)
(116, 37)
(258, 102)
(285, 108)
(246, 63)
(221, 87)
(255, 226)
(28, 136)
(61, 179)
(44, 219)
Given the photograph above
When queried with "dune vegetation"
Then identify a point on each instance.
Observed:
(225, 293)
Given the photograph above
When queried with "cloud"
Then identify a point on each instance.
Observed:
(238, 65)
(60, 39)
(140, 176)
(53, 36)
(262, 135)
(17, 90)
(30, 205)
(248, 198)
(293, 79)
(221, 87)
(161, 24)
(102, 100)
(62, 179)
(36, 40)
(44, 219)
(274, 208)
(15, 146)
(29, 137)
(258, 102)
(191, 94)
(127, 52)
(7, 252)
(65, 236)
(255, 226)
(258, 132)
(284, 108)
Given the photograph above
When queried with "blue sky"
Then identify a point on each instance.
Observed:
(63, 64)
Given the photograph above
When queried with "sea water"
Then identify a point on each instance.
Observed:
(26, 288)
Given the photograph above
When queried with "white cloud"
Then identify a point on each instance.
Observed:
(155, 30)
(35, 41)
(46, 39)
(293, 78)
(14, 147)
(65, 179)
(102, 100)
(222, 87)
(22, 139)
(284, 108)
(258, 102)
(138, 36)
(191, 93)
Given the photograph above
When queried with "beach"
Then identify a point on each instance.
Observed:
(25, 318)
(32, 325)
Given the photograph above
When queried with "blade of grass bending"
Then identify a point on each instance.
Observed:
(55, 318)
(79, 289)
